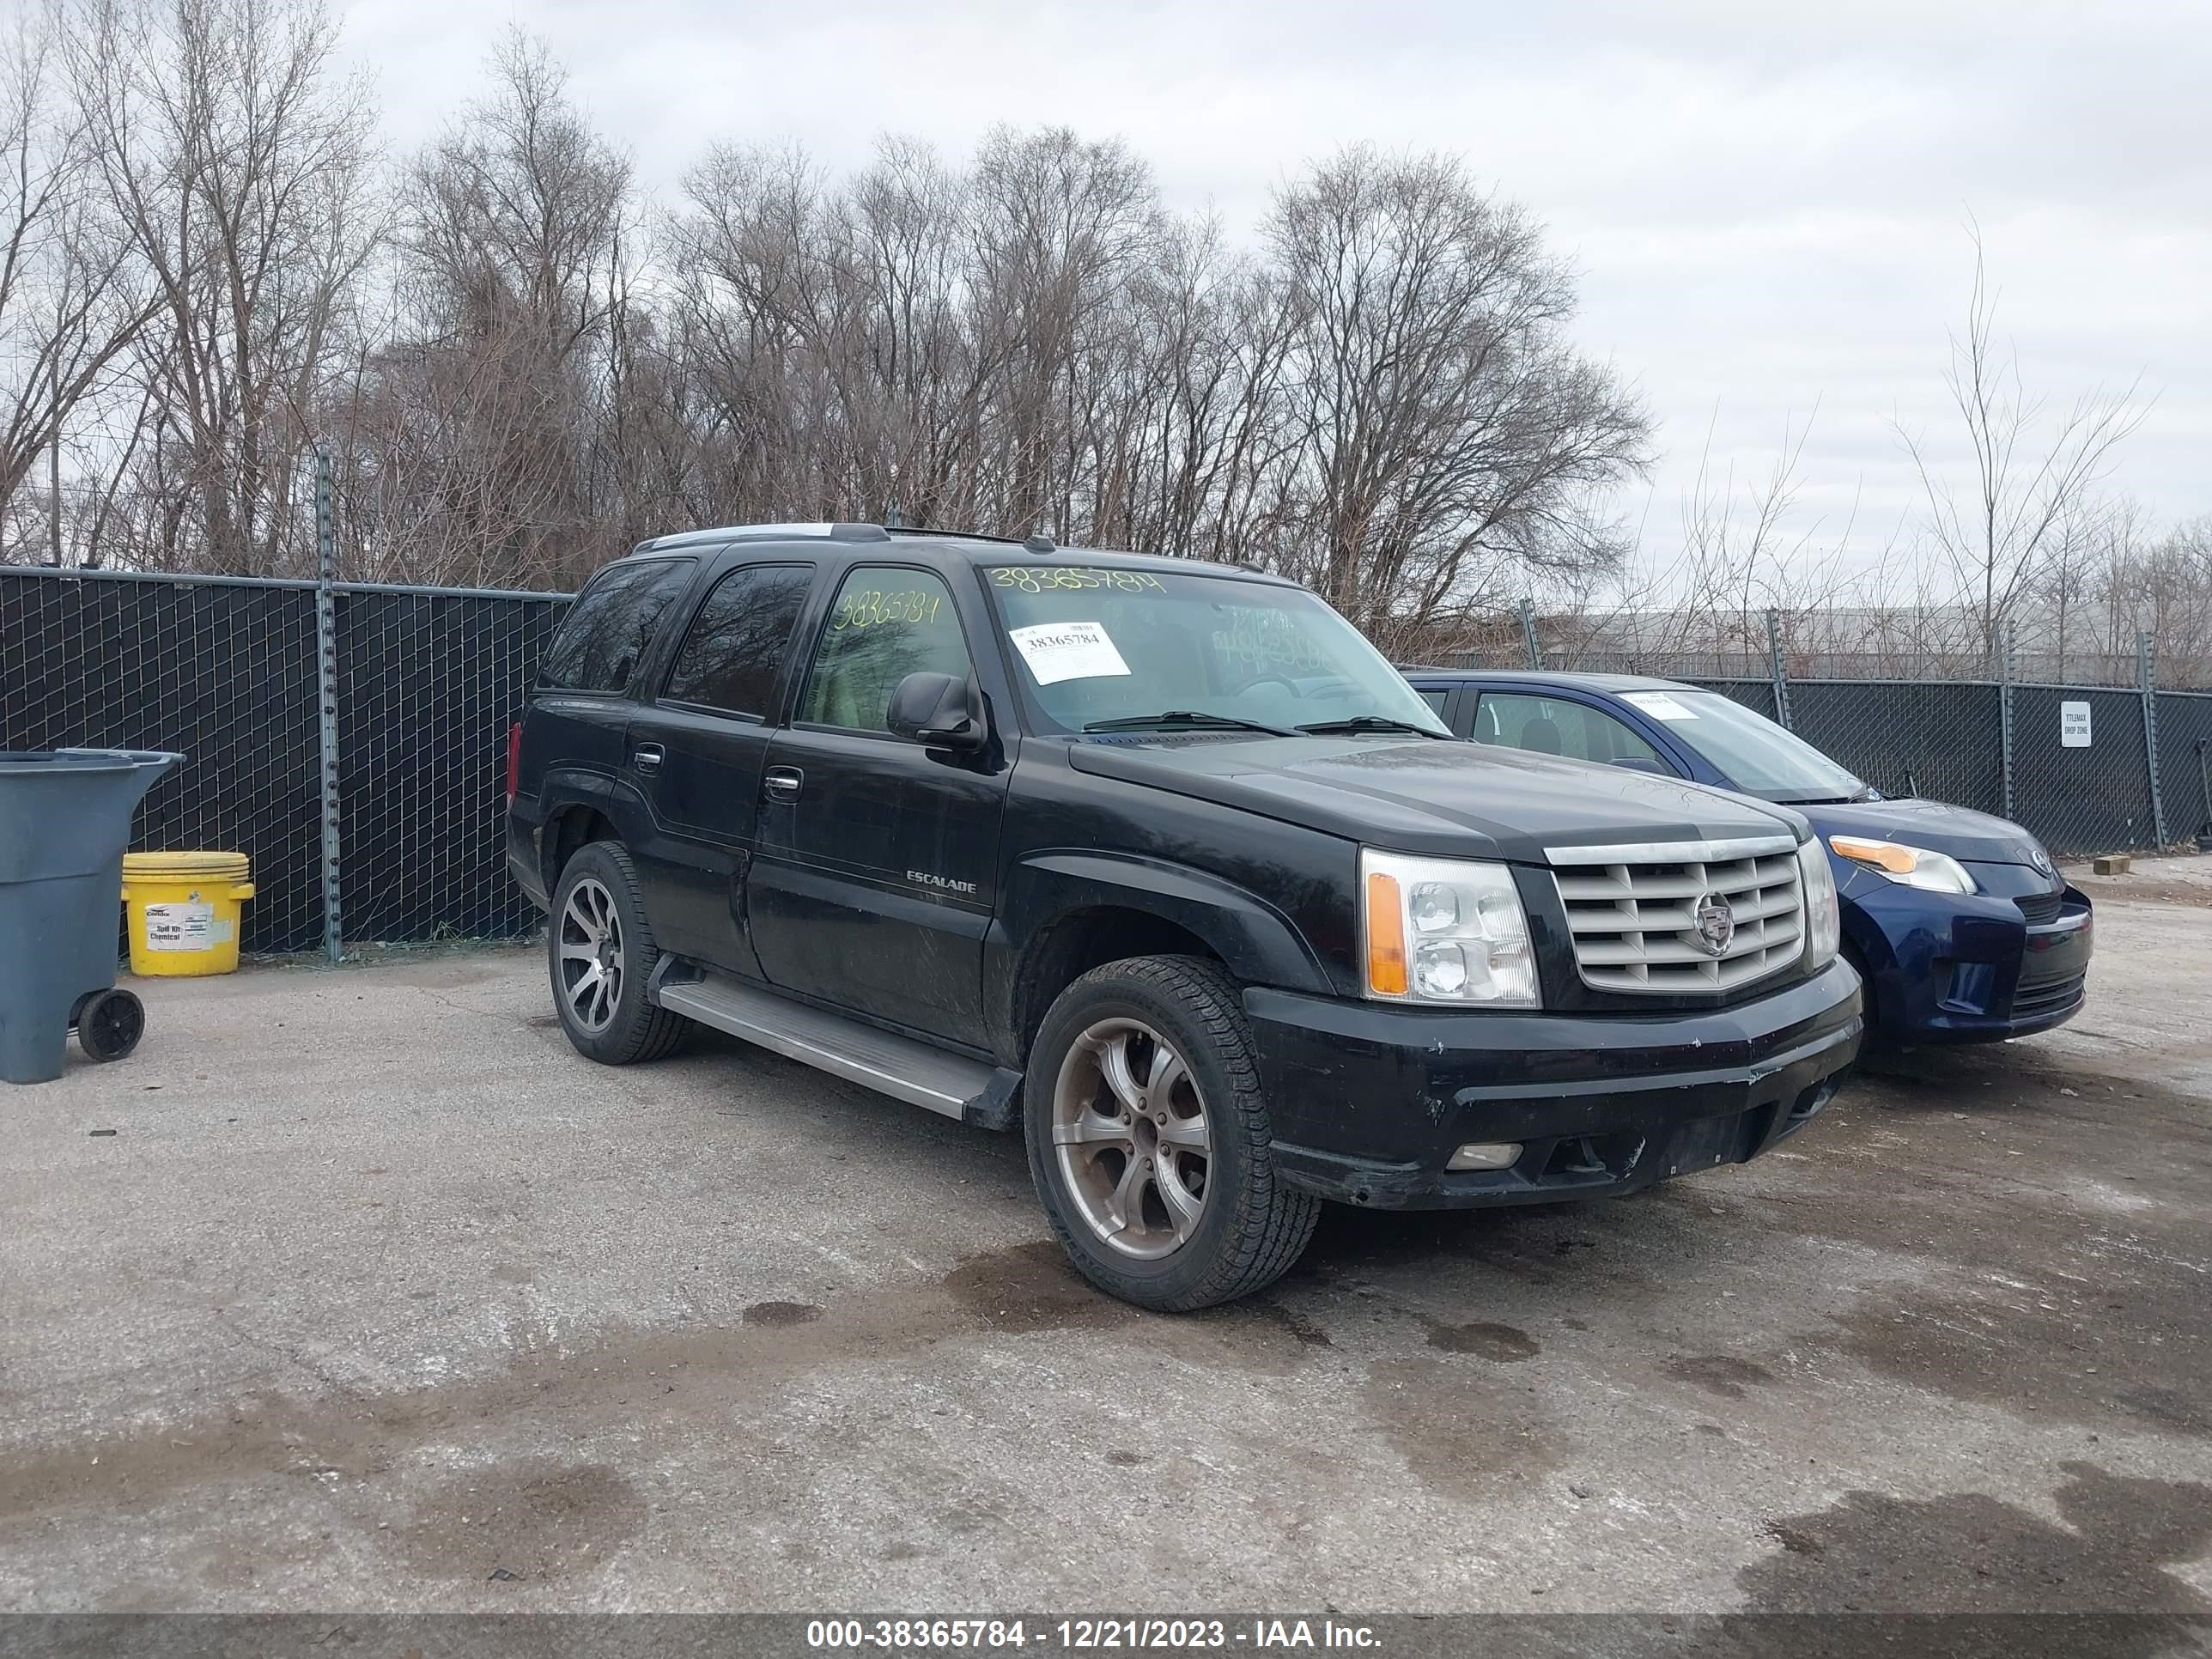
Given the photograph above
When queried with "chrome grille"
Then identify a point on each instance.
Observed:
(1633, 913)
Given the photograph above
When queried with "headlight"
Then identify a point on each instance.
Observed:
(1443, 930)
(1914, 866)
(1824, 926)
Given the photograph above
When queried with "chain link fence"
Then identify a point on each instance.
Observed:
(2090, 768)
(424, 684)
(396, 741)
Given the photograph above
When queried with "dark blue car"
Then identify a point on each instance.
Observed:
(1959, 922)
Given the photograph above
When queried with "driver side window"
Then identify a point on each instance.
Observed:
(885, 624)
(1558, 725)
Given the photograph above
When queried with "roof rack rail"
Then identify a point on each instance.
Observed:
(957, 535)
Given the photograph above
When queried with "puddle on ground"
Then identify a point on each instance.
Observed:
(1718, 1373)
(1500, 1342)
(1968, 1552)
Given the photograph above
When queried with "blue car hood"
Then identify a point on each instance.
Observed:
(1960, 831)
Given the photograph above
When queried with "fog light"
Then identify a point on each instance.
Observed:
(1485, 1155)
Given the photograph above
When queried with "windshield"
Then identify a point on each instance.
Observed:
(1753, 753)
(1099, 644)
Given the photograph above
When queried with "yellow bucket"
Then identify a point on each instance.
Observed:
(184, 911)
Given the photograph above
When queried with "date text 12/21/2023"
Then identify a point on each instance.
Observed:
(1086, 1635)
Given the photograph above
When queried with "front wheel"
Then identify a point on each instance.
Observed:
(1149, 1140)
(600, 954)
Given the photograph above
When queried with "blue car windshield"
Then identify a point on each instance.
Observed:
(1750, 751)
(1106, 646)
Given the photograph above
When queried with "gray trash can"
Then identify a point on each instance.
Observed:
(64, 822)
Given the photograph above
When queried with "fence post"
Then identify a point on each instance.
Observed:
(2004, 711)
(327, 695)
(1776, 667)
(2147, 675)
(1528, 635)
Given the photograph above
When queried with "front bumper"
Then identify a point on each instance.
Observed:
(1946, 969)
(1370, 1100)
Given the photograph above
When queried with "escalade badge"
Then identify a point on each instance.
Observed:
(1716, 924)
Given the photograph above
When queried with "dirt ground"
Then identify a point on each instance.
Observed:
(357, 1289)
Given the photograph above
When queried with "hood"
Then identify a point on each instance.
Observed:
(1437, 797)
(1960, 831)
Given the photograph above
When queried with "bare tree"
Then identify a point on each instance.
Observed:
(492, 434)
(71, 299)
(200, 279)
(2092, 537)
(986, 346)
(1996, 532)
(2158, 585)
(1749, 554)
(239, 165)
(1450, 444)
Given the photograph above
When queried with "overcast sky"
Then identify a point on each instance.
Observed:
(1767, 201)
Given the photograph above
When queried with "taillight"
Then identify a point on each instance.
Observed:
(513, 762)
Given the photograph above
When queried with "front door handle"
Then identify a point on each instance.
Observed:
(782, 782)
(647, 757)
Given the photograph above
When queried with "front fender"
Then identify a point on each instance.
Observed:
(1256, 942)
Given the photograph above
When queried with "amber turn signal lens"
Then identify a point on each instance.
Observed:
(1385, 938)
(1882, 854)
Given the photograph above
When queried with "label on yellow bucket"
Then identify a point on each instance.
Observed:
(183, 927)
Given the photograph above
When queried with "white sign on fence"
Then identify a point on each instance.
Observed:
(2074, 726)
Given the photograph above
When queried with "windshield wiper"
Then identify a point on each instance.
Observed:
(1367, 723)
(1174, 717)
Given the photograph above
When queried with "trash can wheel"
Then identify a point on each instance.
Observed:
(109, 1025)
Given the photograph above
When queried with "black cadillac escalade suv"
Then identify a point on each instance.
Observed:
(1161, 861)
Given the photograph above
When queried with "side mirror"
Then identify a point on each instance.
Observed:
(940, 711)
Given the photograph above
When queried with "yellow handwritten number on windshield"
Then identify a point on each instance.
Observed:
(1034, 578)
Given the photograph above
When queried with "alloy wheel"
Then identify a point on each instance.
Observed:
(1130, 1131)
(591, 956)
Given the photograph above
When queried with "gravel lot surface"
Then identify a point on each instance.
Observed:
(377, 1296)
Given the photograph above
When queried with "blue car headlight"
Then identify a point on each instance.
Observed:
(1909, 866)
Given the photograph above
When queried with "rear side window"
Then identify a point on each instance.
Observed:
(612, 623)
(1555, 725)
(736, 645)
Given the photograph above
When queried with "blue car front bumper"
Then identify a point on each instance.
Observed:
(1978, 967)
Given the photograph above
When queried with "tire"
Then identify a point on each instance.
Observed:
(1107, 1178)
(600, 956)
(109, 1025)
(1877, 1046)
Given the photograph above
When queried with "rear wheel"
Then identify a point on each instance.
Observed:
(1149, 1140)
(600, 954)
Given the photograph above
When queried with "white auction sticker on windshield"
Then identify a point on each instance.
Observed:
(1660, 706)
(1067, 651)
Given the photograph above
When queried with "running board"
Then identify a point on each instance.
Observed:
(891, 1064)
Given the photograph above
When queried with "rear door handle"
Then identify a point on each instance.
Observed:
(782, 782)
(647, 757)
